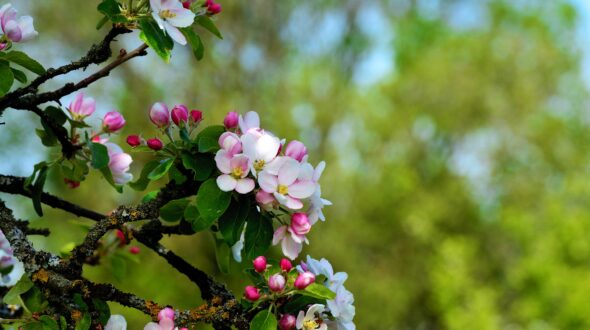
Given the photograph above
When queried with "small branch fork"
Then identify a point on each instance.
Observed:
(61, 278)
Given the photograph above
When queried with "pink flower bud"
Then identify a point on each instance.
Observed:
(296, 150)
(3, 45)
(196, 116)
(252, 293)
(230, 142)
(179, 115)
(304, 280)
(134, 250)
(186, 4)
(71, 183)
(133, 140)
(112, 122)
(259, 264)
(159, 115)
(276, 282)
(155, 144)
(82, 107)
(121, 237)
(300, 224)
(231, 120)
(286, 264)
(166, 313)
(212, 7)
(264, 199)
(287, 322)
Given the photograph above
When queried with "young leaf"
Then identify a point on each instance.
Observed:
(208, 24)
(232, 221)
(150, 196)
(34, 300)
(161, 169)
(318, 291)
(222, 255)
(264, 320)
(299, 302)
(104, 312)
(203, 165)
(143, 180)
(100, 155)
(211, 201)
(19, 75)
(194, 41)
(84, 323)
(6, 77)
(37, 189)
(56, 114)
(207, 140)
(258, 235)
(22, 286)
(173, 210)
(47, 137)
(109, 8)
(25, 61)
(154, 37)
(48, 322)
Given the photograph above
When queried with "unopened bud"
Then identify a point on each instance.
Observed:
(296, 150)
(159, 115)
(287, 322)
(252, 293)
(134, 250)
(196, 116)
(259, 264)
(304, 280)
(113, 121)
(286, 265)
(166, 313)
(155, 144)
(133, 140)
(300, 224)
(179, 115)
(231, 120)
(276, 282)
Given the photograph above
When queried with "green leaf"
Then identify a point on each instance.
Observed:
(258, 235)
(256, 277)
(109, 7)
(80, 302)
(211, 201)
(56, 114)
(25, 61)
(318, 291)
(264, 320)
(143, 180)
(194, 41)
(154, 37)
(37, 190)
(201, 164)
(175, 175)
(63, 324)
(208, 24)
(299, 302)
(222, 255)
(6, 77)
(34, 300)
(160, 170)
(232, 221)
(118, 267)
(102, 22)
(191, 213)
(150, 196)
(12, 296)
(47, 137)
(19, 75)
(173, 210)
(207, 140)
(84, 323)
(104, 312)
(75, 169)
(100, 155)
(48, 322)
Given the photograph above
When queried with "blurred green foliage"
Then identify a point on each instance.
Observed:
(459, 173)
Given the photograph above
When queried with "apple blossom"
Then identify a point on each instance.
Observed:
(261, 148)
(252, 293)
(304, 280)
(259, 264)
(82, 107)
(11, 268)
(133, 140)
(230, 142)
(171, 15)
(285, 186)
(112, 122)
(286, 265)
(196, 116)
(166, 313)
(116, 322)
(309, 320)
(265, 200)
(235, 170)
(179, 115)
(231, 120)
(159, 115)
(299, 224)
(276, 282)
(155, 144)
(250, 121)
(291, 243)
(119, 164)
(287, 322)
(17, 30)
(296, 150)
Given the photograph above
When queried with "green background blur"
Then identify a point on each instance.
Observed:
(456, 133)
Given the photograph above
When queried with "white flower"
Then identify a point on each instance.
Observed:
(323, 267)
(116, 322)
(249, 121)
(311, 321)
(342, 309)
(234, 169)
(261, 148)
(291, 243)
(170, 15)
(7, 260)
(119, 164)
(17, 30)
(285, 185)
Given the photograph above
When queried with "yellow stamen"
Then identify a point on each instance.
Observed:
(258, 165)
(310, 324)
(283, 190)
(237, 172)
(167, 14)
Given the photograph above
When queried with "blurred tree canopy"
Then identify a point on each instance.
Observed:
(456, 134)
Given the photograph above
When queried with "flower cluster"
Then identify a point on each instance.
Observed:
(166, 321)
(282, 285)
(252, 159)
(13, 28)
(84, 106)
(11, 269)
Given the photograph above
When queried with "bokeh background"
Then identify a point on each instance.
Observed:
(456, 133)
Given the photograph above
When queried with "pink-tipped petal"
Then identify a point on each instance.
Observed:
(267, 182)
(245, 186)
(226, 182)
(288, 172)
(279, 234)
(223, 161)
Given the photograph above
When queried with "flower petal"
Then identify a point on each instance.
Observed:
(183, 18)
(226, 182)
(291, 249)
(279, 234)
(267, 182)
(288, 172)
(245, 186)
(302, 189)
(223, 161)
(292, 203)
(174, 33)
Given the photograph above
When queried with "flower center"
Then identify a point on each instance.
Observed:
(237, 172)
(167, 14)
(310, 324)
(258, 165)
(283, 190)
